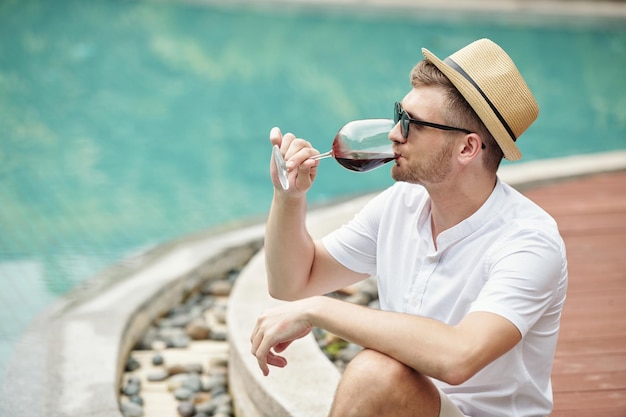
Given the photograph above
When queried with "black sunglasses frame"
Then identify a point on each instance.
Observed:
(400, 115)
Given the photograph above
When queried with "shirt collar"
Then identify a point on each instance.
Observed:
(474, 222)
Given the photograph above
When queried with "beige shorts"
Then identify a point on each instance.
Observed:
(448, 409)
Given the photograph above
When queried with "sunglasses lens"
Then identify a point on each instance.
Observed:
(400, 115)
(404, 124)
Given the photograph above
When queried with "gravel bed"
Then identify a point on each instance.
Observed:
(200, 388)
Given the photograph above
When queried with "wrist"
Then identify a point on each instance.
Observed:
(315, 308)
(287, 198)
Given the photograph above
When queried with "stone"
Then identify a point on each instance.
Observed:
(169, 332)
(181, 341)
(132, 364)
(174, 336)
(201, 397)
(207, 407)
(215, 382)
(157, 375)
(176, 381)
(136, 399)
(218, 392)
(220, 313)
(180, 320)
(185, 368)
(134, 380)
(198, 329)
(132, 387)
(186, 409)
(183, 393)
(131, 390)
(157, 359)
(219, 335)
(193, 382)
(220, 288)
(222, 399)
(130, 409)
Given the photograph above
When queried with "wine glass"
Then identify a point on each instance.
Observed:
(360, 145)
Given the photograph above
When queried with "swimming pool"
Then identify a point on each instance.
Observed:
(127, 124)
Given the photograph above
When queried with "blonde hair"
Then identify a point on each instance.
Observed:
(458, 112)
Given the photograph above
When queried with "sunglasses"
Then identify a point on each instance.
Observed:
(399, 115)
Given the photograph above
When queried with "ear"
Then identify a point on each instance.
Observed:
(471, 146)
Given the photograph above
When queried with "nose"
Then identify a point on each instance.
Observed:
(395, 135)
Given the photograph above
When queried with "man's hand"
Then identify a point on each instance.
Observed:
(275, 330)
(296, 152)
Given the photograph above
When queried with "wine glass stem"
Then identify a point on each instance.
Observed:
(328, 154)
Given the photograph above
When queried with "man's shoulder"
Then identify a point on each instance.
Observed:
(521, 218)
(517, 206)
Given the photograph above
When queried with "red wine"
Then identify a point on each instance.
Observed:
(362, 161)
(350, 150)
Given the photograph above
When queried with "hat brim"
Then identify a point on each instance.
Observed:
(480, 106)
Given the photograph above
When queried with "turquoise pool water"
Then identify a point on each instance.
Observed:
(125, 124)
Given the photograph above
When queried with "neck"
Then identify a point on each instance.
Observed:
(451, 203)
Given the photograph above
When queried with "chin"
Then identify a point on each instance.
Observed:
(397, 174)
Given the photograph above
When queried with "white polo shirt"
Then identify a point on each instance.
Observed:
(508, 258)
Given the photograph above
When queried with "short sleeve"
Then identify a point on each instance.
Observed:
(354, 244)
(526, 271)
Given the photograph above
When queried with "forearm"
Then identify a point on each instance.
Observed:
(448, 353)
(420, 343)
(289, 249)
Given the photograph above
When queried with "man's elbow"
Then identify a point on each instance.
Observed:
(455, 376)
(282, 295)
(458, 367)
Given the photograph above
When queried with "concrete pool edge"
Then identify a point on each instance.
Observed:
(69, 361)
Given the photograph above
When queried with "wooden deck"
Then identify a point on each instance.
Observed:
(589, 375)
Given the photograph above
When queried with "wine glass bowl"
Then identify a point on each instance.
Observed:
(360, 145)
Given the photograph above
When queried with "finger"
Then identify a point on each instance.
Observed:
(253, 338)
(305, 176)
(282, 346)
(276, 360)
(261, 349)
(262, 359)
(286, 143)
(276, 136)
(255, 341)
(264, 368)
(298, 153)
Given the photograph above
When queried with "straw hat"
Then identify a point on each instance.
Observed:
(488, 79)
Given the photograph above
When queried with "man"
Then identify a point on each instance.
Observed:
(472, 275)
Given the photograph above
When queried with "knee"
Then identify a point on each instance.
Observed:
(371, 366)
(375, 384)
